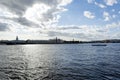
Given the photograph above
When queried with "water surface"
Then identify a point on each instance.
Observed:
(60, 62)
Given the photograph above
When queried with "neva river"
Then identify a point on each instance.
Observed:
(60, 62)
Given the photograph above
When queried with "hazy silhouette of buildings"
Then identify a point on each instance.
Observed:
(54, 41)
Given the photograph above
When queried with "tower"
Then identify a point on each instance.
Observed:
(73, 40)
(56, 39)
(16, 38)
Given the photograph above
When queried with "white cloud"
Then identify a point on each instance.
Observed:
(110, 2)
(36, 12)
(83, 32)
(106, 16)
(114, 16)
(64, 2)
(100, 5)
(6, 13)
(119, 12)
(113, 10)
(113, 25)
(90, 1)
(89, 15)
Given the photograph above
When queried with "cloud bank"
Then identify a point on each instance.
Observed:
(41, 16)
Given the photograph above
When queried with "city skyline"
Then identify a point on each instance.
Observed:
(66, 19)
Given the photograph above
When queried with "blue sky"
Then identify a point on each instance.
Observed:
(66, 19)
(75, 13)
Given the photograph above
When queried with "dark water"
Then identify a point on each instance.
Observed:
(60, 62)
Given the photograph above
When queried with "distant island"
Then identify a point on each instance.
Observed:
(53, 41)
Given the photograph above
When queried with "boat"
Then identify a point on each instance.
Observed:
(99, 44)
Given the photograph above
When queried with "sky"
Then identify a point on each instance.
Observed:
(65, 19)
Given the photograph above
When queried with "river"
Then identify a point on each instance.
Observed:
(60, 62)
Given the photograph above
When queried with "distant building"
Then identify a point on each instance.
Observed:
(56, 40)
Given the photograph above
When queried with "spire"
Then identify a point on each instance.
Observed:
(17, 38)
(56, 39)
